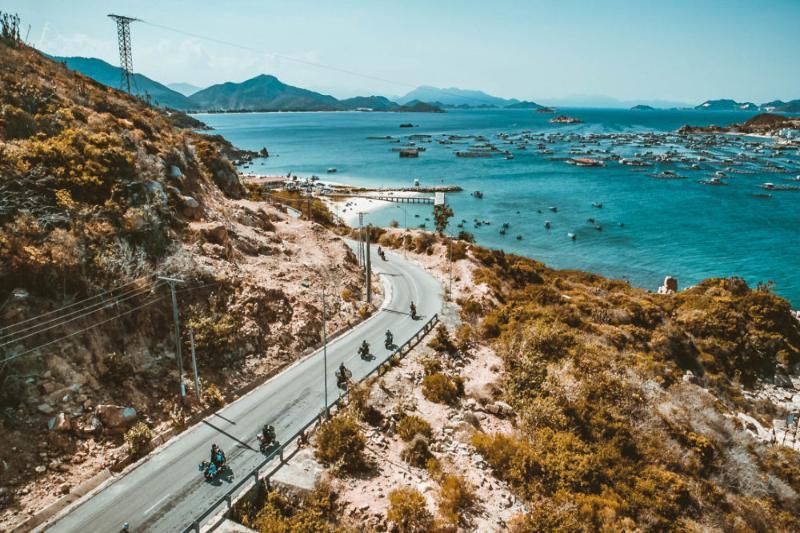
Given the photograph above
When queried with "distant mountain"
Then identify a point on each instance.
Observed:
(108, 74)
(453, 97)
(525, 104)
(726, 105)
(186, 89)
(375, 103)
(589, 100)
(416, 106)
(262, 93)
(642, 107)
(792, 106)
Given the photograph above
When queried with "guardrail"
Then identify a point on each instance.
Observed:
(254, 475)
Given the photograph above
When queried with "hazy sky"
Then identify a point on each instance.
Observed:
(679, 50)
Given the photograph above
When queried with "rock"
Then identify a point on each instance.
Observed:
(782, 378)
(263, 152)
(64, 488)
(60, 422)
(504, 408)
(47, 387)
(670, 286)
(689, 377)
(91, 426)
(41, 469)
(45, 408)
(493, 408)
(216, 233)
(114, 416)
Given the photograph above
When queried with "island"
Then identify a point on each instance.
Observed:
(642, 107)
(564, 119)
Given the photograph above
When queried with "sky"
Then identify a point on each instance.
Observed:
(683, 51)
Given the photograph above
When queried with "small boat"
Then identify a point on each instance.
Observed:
(546, 224)
(553, 209)
(332, 170)
(571, 236)
(519, 237)
(768, 186)
(590, 220)
(477, 194)
(598, 205)
(761, 195)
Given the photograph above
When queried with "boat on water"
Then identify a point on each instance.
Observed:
(477, 194)
(712, 181)
(332, 170)
(547, 224)
(598, 205)
(554, 209)
(585, 162)
(473, 154)
(571, 236)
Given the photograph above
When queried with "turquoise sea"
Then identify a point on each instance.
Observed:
(650, 227)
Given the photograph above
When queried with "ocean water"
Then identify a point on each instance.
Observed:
(650, 227)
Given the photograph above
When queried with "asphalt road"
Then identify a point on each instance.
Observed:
(167, 492)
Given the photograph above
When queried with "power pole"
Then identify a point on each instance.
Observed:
(368, 271)
(325, 346)
(125, 52)
(361, 258)
(172, 282)
(194, 367)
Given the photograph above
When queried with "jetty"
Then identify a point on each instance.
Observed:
(388, 198)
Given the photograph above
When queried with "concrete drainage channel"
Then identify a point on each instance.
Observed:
(267, 469)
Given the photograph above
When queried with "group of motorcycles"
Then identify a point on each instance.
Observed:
(217, 463)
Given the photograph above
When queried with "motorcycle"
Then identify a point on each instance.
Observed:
(213, 469)
(363, 351)
(343, 377)
(413, 310)
(389, 342)
(268, 439)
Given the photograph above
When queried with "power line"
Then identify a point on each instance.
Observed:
(302, 61)
(75, 318)
(60, 309)
(101, 304)
(16, 356)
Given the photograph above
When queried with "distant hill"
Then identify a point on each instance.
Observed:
(525, 104)
(108, 74)
(454, 97)
(186, 89)
(642, 107)
(789, 107)
(416, 106)
(262, 93)
(376, 103)
(780, 106)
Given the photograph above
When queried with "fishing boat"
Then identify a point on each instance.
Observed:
(332, 170)
(598, 205)
(571, 236)
(546, 224)
(477, 194)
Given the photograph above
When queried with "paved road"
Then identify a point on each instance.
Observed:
(167, 492)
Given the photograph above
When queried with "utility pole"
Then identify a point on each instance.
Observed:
(450, 276)
(325, 347)
(368, 271)
(125, 52)
(172, 282)
(361, 258)
(194, 367)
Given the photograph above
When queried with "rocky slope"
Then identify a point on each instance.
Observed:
(100, 195)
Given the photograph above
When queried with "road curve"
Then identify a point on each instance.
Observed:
(166, 492)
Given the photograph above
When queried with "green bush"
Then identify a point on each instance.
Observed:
(440, 388)
(408, 511)
(213, 397)
(138, 439)
(412, 425)
(417, 452)
(341, 443)
(456, 499)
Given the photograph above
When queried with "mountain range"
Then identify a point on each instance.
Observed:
(267, 93)
(793, 106)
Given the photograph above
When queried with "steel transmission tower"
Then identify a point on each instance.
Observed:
(125, 53)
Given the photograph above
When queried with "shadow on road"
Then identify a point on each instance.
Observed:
(241, 443)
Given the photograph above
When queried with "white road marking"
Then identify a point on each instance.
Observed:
(147, 511)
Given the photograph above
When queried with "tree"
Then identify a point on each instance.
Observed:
(442, 214)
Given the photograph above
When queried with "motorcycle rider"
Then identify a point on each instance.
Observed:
(389, 338)
(363, 350)
(342, 373)
(267, 434)
(413, 310)
(217, 455)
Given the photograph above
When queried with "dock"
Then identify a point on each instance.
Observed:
(389, 198)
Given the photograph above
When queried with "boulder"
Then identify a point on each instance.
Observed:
(90, 426)
(115, 416)
(60, 423)
(670, 286)
(215, 232)
(504, 409)
(263, 152)
(45, 408)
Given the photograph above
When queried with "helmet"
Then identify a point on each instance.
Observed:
(213, 446)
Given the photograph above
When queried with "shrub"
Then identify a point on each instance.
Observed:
(138, 439)
(416, 453)
(441, 342)
(347, 294)
(440, 388)
(213, 397)
(464, 337)
(411, 425)
(341, 443)
(456, 499)
(408, 511)
(364, 311)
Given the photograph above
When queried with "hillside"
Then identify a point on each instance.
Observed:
(99, 196)
(731, 105)
(262, 93)
(376, 103)
(109, 75)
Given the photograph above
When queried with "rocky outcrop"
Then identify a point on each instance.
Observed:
(670, 286)
(115, 416)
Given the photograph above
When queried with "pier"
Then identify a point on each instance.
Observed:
(389, 198)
